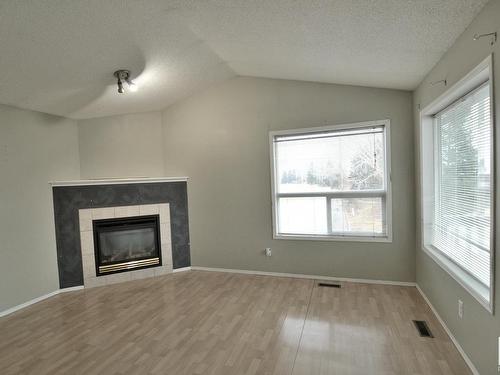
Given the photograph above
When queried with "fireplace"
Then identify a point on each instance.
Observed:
(123, 244)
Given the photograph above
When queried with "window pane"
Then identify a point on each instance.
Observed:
(358, 216)
(462, 221)
(331, 161)
(302, 215)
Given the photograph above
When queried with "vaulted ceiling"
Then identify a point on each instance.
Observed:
(58, 56)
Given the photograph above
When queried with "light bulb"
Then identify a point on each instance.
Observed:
(132, 86)
(120, 87)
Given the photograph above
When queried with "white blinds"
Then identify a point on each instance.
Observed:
(462, 217)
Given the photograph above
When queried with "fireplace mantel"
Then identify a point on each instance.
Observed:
(117, 181)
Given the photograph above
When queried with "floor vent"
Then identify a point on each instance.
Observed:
(328, 285)
(423, 328)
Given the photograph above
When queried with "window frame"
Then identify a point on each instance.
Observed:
(386, 192)
(478, 76)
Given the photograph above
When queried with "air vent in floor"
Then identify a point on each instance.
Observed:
(329, 285)
(423, 328)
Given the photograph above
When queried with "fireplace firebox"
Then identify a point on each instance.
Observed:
(123, 244)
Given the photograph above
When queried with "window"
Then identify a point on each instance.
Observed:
(457, 139)
(332, 182)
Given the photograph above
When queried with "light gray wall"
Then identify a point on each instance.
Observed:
(121, 146)
(34, 149)
(478, 331)
(219, 138)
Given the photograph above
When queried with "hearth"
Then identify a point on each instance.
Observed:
(123, 244)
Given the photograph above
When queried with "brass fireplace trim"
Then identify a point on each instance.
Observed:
(129, 265)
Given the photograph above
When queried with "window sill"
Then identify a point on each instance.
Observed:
(304, 237)
(471, 285)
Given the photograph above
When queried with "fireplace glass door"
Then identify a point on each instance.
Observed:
(126, 243)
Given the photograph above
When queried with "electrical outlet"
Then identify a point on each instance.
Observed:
(460, 309)
(268, 252)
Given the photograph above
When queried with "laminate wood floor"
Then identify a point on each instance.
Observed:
(220, 323)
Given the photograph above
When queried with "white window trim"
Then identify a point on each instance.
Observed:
(480, 74)
(387, 190)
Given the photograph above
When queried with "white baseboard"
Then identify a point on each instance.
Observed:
(175, 270)
(71, 289)
(453, 339)
(301, 276)
(38, 299)
(28, 303)
(56, 292)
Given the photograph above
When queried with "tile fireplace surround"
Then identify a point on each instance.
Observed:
(87, 215)
(77, 203)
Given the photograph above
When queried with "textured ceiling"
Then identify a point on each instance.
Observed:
(58, 56)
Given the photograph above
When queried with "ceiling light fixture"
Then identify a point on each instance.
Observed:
(122, 76)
